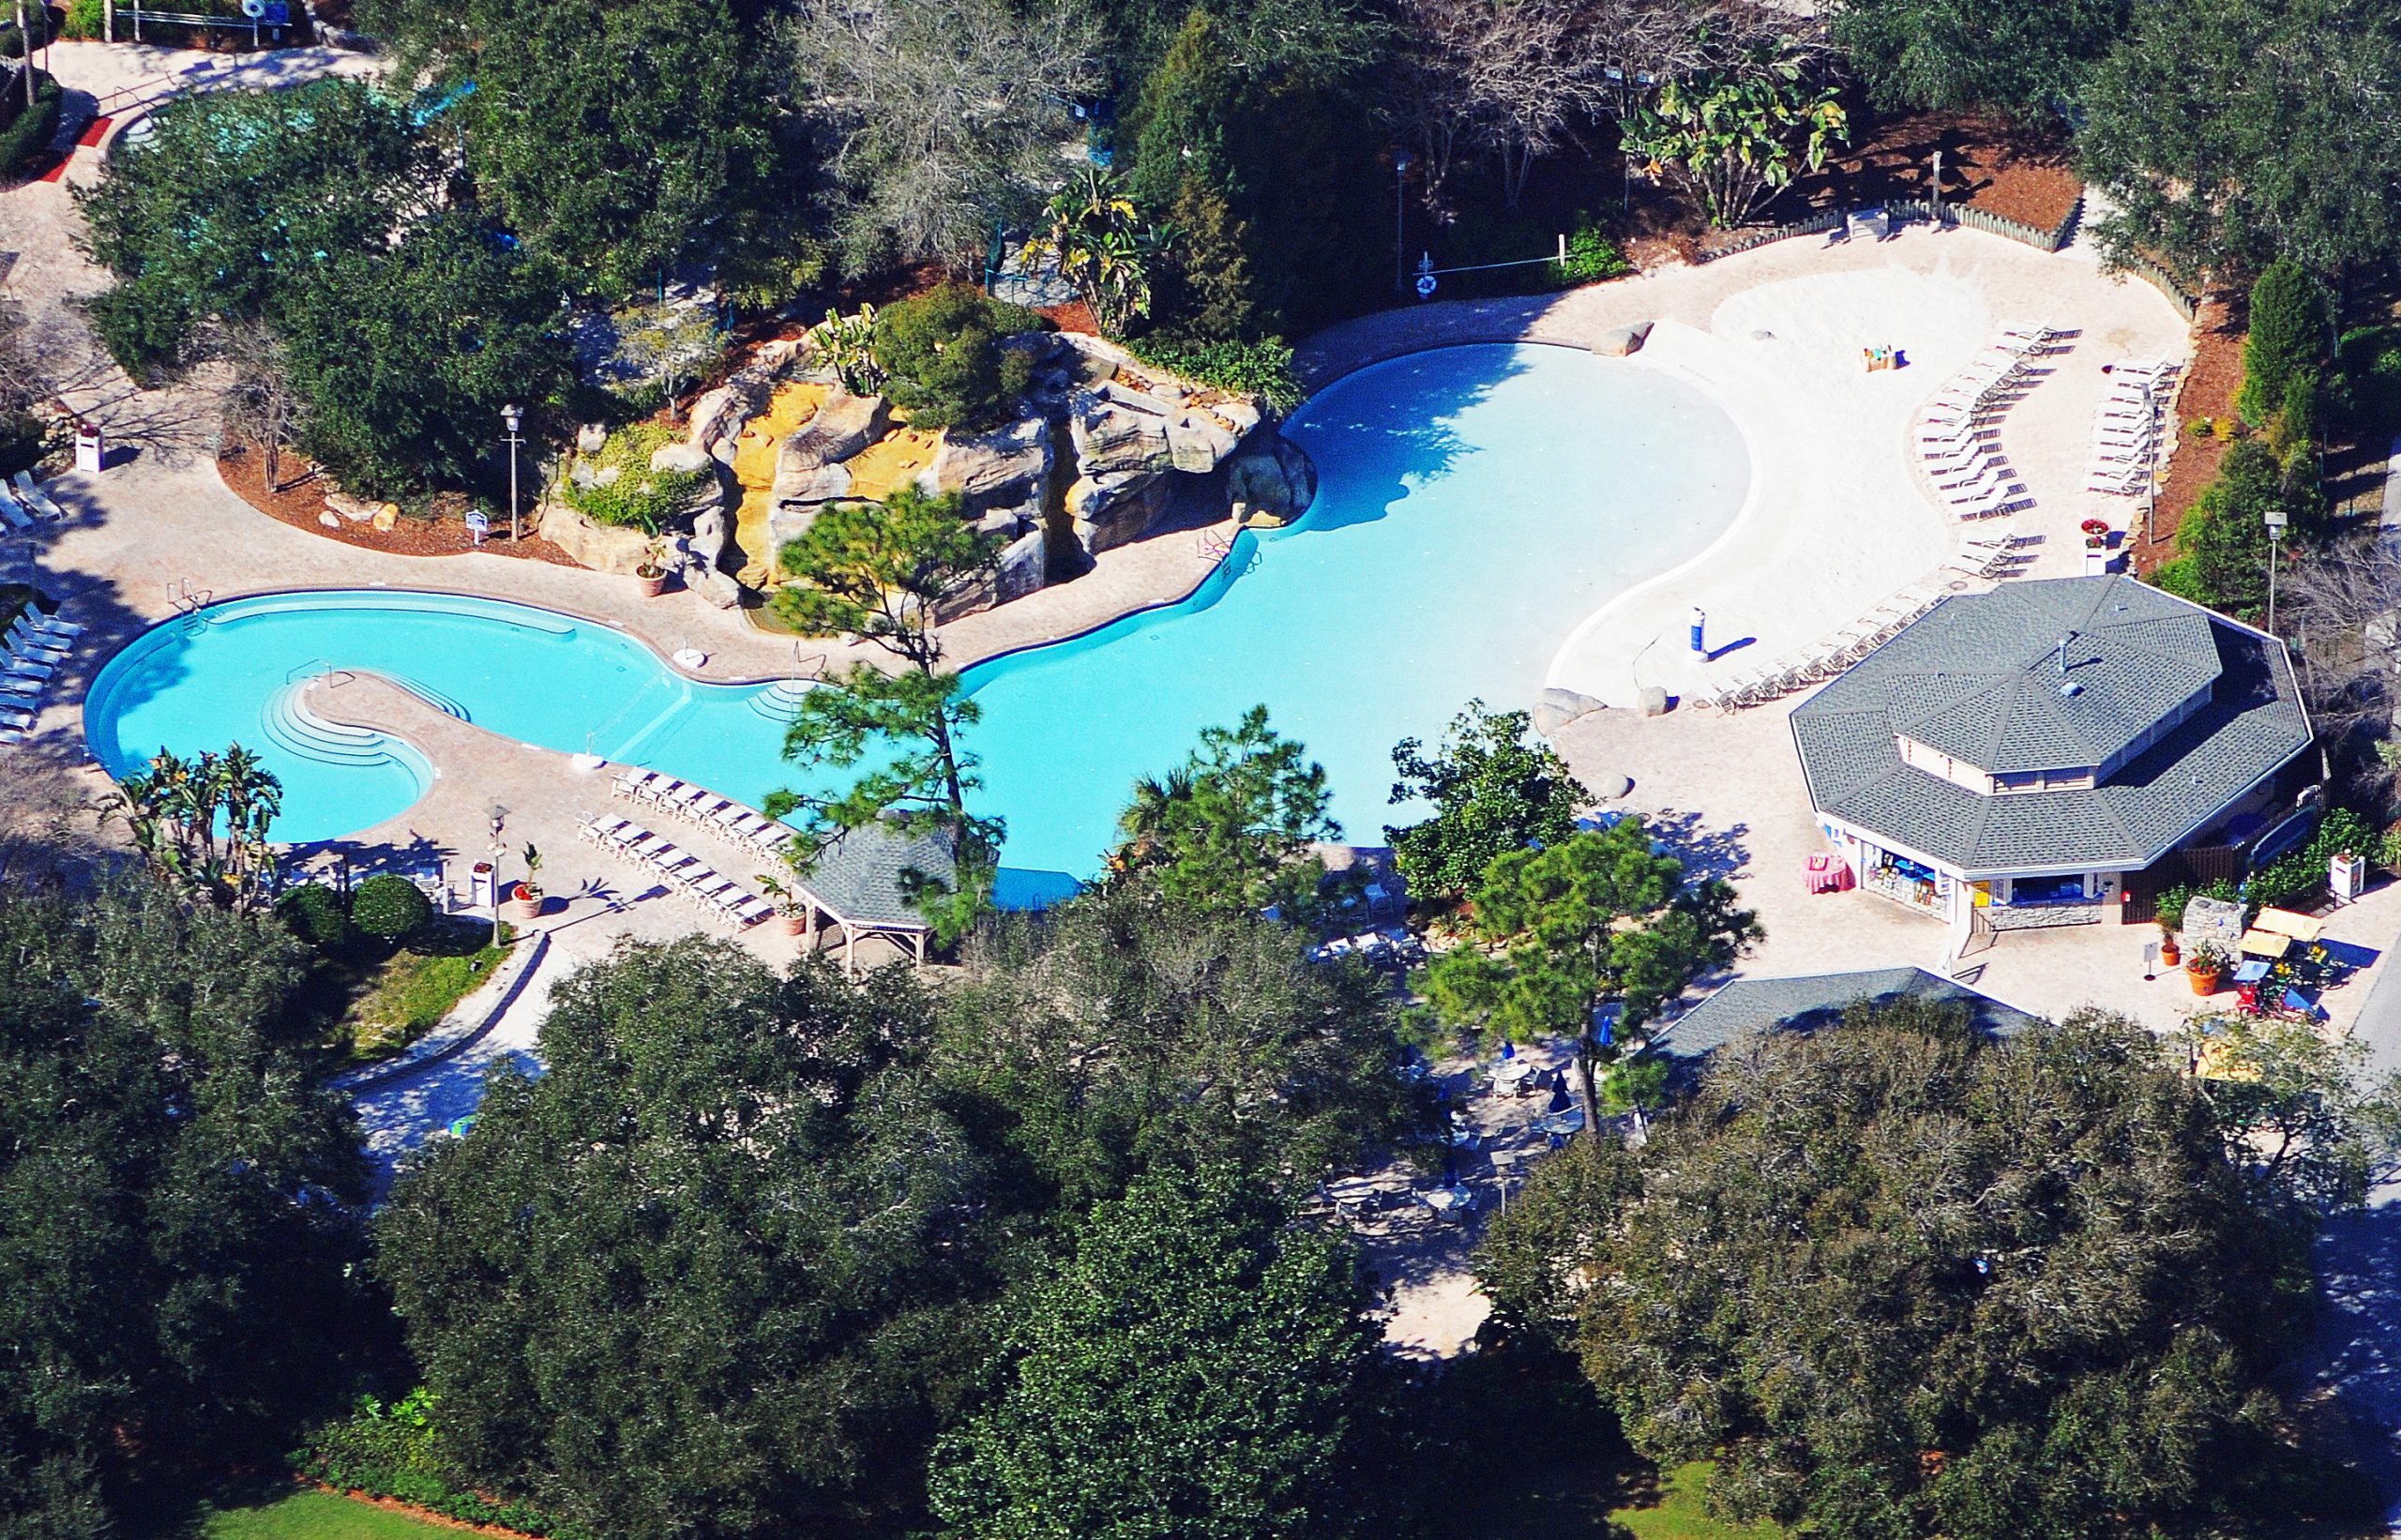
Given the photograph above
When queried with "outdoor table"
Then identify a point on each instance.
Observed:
(1510, 1074)
(2252, 971)
(2284, 922)
(1446, 1200)
(2265, 943)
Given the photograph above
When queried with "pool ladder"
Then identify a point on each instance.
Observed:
(189, 601)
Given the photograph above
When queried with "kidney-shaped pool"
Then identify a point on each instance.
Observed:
(1474, 504)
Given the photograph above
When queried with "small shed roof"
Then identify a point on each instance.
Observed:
(859, 877)
(1815, 1000)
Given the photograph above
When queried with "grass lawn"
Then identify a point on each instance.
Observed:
(310, 1515)
(372, 1000)
(1671, 1509)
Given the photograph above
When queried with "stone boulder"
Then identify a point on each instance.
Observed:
(845, 425)
(358, 510)
(592, 438)
(603, 548)
(703, 553)
(1007, 465)
(1617, 342)
(1109, 511)
(1558, 707)
(682, 459)
(1118, 431)
(1025, 566)
(1270, 476)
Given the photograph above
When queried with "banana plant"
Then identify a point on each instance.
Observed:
(1735, 140)
(1096, 237)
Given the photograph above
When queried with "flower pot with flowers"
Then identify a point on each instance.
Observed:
(2206, 969)
(651, 574)
(525, 897)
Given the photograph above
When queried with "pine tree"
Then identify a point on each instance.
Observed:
(2287, 342)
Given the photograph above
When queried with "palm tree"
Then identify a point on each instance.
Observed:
(1149, 816)
(1094, 234)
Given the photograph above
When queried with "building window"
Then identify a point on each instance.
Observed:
(2024, 891)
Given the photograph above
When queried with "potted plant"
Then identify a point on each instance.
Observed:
(651, 574)
(2171, 951)
(790, 909)
(2206, 968)
(525, 897)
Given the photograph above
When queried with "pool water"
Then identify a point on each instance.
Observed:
(1474, 504)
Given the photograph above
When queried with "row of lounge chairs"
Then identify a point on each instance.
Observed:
(685, 874)
(1799, 670)
(28, 506)
(1958, 437)
(37, 645)
(1993, 556)
(699, 806)
(2125, 431)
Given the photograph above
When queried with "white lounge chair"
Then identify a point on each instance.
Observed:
(30, 492)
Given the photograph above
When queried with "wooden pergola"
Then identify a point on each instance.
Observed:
(858, 888)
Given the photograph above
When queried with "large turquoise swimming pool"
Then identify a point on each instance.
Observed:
(1474, 504)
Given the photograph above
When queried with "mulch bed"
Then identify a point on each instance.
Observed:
(1986, 164)
(2208, 389)
(243, 470)
(424, 1515)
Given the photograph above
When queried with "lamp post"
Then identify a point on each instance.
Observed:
(499, 819)
(2275, 519)
(1400, 222)
(513, 417)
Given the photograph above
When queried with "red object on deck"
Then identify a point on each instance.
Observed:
(1828, 875)
(92, 132)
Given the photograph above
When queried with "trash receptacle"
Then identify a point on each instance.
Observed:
(91, 447)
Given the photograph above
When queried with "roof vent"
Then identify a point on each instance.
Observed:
(2071, 689)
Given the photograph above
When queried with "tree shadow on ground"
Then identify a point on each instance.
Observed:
(1707, 853)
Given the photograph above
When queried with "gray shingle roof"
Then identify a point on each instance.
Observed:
(1961, 679)
(1806, 1005)
(859, 875)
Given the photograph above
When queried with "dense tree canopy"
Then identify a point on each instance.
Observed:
(1121, 1033)
(621, 136)
(1901, 1280)
(1202, 1369)
(1495, 789)
(176, 1201)
(2027, 60)
(719, 1264)
(1232, 827)
(2229, 132)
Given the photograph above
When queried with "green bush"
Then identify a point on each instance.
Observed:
(637, 497)
(391, 908)
(22, 143)
(1592, 256)
(2287, 320)
(392, 1451)
(40, 20)
(1262, 368)
(2302, 874)
(85, 19)
(2172, 906)
(943, 360)
(2366, 384)
(315, 914)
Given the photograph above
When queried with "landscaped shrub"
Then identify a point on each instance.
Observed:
(942, 360)
(1592, 256)
(85, 19)
(391, 1450)
(623, 489)
(22, 143)
(1262, 368)
(2287, 330)
(24, 439)
(2302, 874)
(388, 907)
(40, 20)
(315, 914)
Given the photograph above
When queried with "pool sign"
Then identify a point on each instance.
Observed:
(479, 524)
(1425, 275)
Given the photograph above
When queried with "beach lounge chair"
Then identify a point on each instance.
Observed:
(13, 516)
(53, 625)
(29, 491)
(1998, 501)
(21, 721)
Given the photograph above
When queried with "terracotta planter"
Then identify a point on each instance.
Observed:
(2206, 982)
(2169, 953)
(650, 587)
(790, 925)
(523, 906)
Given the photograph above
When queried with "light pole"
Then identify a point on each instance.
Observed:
(2275, 519)
(1400, 222)
(513, 417)
(499, 819)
